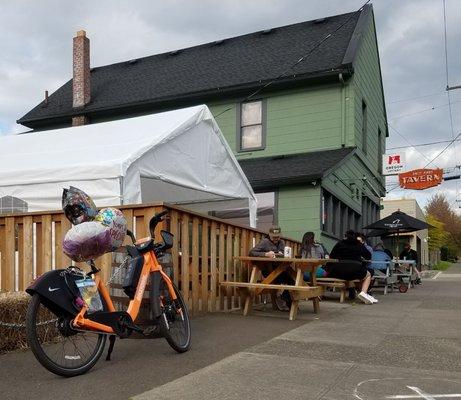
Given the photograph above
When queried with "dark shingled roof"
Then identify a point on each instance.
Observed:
(268, 172)
(208, 71)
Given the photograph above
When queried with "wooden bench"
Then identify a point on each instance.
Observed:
(301, 292)
(341, 284)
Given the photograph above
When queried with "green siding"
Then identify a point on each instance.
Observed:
(343, 182)
(299, 210)
(366, 83)
(322, 117)
(226, 116)
(297, 121)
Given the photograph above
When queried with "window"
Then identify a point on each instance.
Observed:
(380, 152)
(251, 126)
(337, 217)
(370, 212)
(10, 204)
(364, 127)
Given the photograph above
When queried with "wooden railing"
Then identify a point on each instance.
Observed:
(203, 252)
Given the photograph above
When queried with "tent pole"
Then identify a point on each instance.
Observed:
(121, 190)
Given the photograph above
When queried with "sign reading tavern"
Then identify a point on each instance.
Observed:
(421, 178)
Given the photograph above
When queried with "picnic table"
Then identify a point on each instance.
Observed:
(294, 266)
(404, 271)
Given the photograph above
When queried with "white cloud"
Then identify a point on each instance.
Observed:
(37, 49)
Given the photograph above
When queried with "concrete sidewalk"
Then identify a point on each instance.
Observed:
(348, 351)
(406, 346)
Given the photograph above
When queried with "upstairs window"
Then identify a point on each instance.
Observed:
(251, 126)
(364, 126)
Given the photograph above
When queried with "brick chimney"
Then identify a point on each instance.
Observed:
(81, 76)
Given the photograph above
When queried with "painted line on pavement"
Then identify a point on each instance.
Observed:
(437, 275)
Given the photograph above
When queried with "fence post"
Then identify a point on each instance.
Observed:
(8, 256)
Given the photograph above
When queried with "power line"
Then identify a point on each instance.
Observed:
(424, 110)
(420, 144)
(445, 38)
(416, 98)
(450, 111)
(300, 60)
(404, 138)
(443, 151)
(432, 160)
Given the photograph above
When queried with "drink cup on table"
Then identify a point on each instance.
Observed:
(287, 253)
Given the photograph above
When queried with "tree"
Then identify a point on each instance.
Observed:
(438, 236)
(438, 209)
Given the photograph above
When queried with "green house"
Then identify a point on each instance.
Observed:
(301, 106)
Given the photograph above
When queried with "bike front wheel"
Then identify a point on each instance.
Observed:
(174, 321)
(56, 345)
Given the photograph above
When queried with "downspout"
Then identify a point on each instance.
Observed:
(343, 110)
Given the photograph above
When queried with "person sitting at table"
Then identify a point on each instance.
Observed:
(351, 254)
(310, 248)
(380, 259)
(388, 252)
(363, 240)
(409, 254)
(272, 247)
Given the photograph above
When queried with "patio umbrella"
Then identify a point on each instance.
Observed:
(396, 223)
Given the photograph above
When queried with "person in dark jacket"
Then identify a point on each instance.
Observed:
(409, 254)
(351, 253)
(272, 247)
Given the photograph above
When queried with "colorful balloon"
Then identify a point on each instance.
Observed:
(113, 220)
(87, 241)
(78, 206)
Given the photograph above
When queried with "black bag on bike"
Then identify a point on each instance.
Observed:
(130, 282)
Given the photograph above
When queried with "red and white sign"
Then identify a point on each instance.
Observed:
(421, 178)
(393, 164)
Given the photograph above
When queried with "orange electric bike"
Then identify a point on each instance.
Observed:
(67, 333)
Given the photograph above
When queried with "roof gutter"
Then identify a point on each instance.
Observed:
(169, 102)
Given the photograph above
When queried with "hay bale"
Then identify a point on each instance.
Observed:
(13, 307)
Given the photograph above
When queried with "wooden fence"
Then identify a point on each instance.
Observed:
(203, 252)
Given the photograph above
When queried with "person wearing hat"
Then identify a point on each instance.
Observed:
(272, 247)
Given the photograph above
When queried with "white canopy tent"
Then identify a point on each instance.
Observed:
(177, 156)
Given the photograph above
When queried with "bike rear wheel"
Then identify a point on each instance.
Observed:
(174, 321)
(56, 345)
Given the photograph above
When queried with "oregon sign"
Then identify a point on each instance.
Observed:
(421, 178)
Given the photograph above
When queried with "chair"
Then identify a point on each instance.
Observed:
(387, 278)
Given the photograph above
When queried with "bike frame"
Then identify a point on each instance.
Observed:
(151, 265)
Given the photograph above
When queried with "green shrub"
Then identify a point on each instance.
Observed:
(442, 265)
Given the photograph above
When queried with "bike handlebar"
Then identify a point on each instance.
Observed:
(155, 220)
(152, 224)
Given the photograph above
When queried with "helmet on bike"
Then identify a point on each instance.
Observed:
(78, 206)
